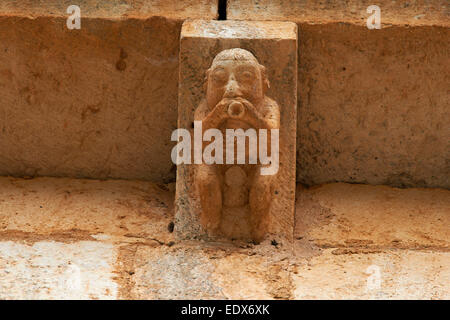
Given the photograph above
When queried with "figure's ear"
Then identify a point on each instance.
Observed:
(264, 79)
(205, 81)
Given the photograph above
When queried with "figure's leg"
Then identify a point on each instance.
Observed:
(260, 200)
(209, 186)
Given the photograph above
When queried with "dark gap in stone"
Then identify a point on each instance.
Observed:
(222, 6)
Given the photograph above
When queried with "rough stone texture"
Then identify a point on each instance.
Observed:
(412, 13)
(54, 270)
(371, 107)
(372, 103)
(75, 210)
(403, 275)
(114, 237)
(206, 271)
(346, 229)
(200, 42)
(112, 9)
(339, 215)
(98, 102)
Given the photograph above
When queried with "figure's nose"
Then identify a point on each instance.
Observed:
(233, 89)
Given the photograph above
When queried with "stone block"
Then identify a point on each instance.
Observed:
(55, 270)
(417, 13)
(98, 102)
(351, 215)
(207, 199)
(371, 103)
(387, 274)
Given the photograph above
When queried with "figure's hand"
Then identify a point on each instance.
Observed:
(220, 111)
(217, 115)
(236, 108)
(239, 108)
(251, 112)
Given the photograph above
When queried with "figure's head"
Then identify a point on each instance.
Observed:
(236, 73)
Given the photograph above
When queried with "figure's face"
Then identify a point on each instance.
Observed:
(232, 79)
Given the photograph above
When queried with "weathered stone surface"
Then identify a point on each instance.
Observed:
(99, 102)
(192, 271)
(113, 9)
(201, 41)
(370, 110)
(68, 210)
(173, 274)
(402, 275)
(371, 102)
(345, 233)
(53, 270)
(372, 105)
(367, 217)
(416, 13)
(116, 234)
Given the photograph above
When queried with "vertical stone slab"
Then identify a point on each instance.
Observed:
(274, 45)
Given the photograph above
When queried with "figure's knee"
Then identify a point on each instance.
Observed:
(206, 176)
(209, 190)
(260, 192)
(260, 201)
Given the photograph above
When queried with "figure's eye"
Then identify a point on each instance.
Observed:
(247, 76)
(219, 77)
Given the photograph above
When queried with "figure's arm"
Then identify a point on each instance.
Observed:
(200, 112)
(211, 118)
(272, 113)
(269, 118)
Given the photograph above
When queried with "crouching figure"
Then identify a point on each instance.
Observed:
(236, 195)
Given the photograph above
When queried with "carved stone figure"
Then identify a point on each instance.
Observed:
(236, 86)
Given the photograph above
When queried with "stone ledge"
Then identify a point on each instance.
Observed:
(239, 30)
(90, 239)
(403, 274)
(402, 13)
(362, 217)
(113, 9)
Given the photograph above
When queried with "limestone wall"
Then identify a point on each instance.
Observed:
(372, 103)
(88, 239)
(101, 102)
